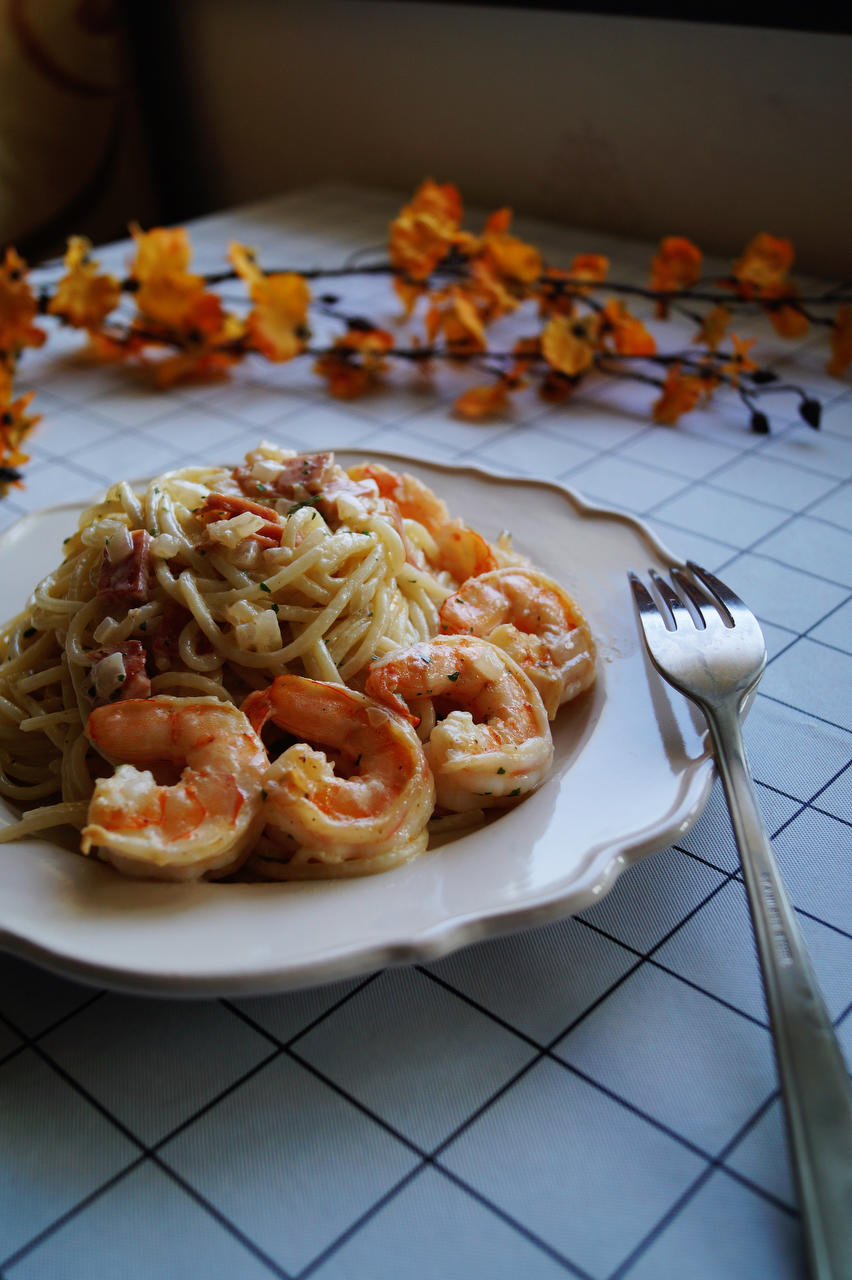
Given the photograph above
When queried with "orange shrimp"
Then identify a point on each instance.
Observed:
(206, 822)
(494, 742)
(370, 805)
(535, 621)
(459, 550)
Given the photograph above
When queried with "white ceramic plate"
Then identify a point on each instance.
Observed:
(631, 773)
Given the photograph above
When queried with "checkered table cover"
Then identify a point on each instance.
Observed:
(593, 1098)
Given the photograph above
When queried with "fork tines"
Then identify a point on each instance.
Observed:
(690, 600)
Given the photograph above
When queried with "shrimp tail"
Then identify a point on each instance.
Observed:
(257, 708)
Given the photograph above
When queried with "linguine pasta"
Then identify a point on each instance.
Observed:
(211, 582)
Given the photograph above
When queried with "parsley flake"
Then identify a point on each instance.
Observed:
(306, 502)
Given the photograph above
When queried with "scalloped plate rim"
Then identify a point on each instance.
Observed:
(443, 936)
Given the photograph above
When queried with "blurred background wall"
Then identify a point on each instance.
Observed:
(643, 126)
(72, 150)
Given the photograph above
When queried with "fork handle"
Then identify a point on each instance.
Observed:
(815, 1084)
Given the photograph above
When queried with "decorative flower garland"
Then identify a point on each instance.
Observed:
(461, 283)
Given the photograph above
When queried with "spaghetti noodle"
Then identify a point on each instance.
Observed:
(209, 583)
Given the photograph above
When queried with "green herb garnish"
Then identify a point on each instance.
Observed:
(306, 502)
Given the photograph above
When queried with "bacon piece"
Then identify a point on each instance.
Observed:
(135, 683)
(164, 644)
(342, 487)
(299, 477)
(126, 580)
(220, 506)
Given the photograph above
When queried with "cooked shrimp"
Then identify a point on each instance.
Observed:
(204, 823)
(370, 803)
(494, 743)
(415, 500)
(535, 621)
(459, 550)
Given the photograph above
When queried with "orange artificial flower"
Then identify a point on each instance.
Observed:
(345, 380)
(110, 348)
(676, 264)
(18, 307)
(244, 261)
(555, 387)
(162, 251)
(841, 342)
(482, 402)
(527, 351)
(15, 425)
(355, 361)
(681, 392)
(509, 257)
(455, 316)
(346, 377)
(277, 326)
(200, 362)
(740, 361)
(567, 345)
(629, 334)
(488, 292)
(714, 326)
(589, 267)
(179, 304)
(787, 319)
(371, 344)
(409, 294)
(83, 297)
(555, 295)
(498, 222)
(169, 297)
(424, 230)
(765, 262)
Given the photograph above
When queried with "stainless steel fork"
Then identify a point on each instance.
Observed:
(703, 640)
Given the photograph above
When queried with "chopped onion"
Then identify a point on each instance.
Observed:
(165, 545)
(230, 533)
(104, 630)
(120, 545)
(108, 674)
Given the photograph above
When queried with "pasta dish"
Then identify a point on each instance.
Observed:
(282, 669)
